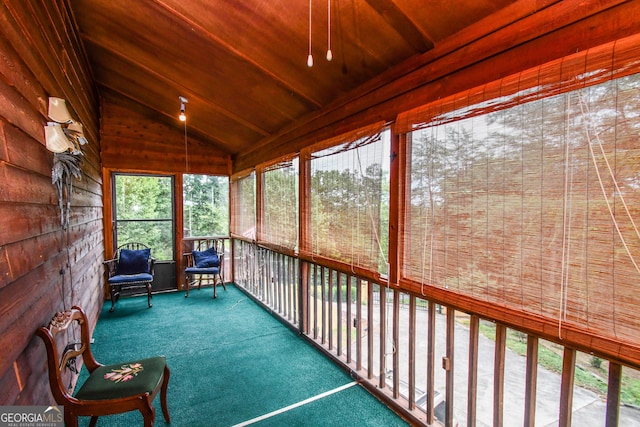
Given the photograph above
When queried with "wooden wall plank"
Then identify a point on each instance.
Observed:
(131, 141)
(39, 57)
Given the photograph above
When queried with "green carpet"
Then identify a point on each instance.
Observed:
(230, 362)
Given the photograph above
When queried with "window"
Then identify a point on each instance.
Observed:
(244, 206)
(206, 205)
(280, 201)
(144, 212)
(350, 199)
(525, 192)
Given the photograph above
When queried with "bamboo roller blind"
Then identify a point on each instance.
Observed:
(243, 208)
(280, 199)
(525, 192)
(346, 184)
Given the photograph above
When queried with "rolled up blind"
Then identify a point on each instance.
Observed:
(525, 192)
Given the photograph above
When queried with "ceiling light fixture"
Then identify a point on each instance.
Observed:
(310, 57)
(183, 101)
(329, 52)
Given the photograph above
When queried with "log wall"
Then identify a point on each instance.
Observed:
(133, 141)
(43, 268)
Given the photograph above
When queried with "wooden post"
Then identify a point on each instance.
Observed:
(431, 351)
(531, 382)
(613, 394)
(566, 388)
(498, 375)
(448, 366)
(472, 398)
(412, 352)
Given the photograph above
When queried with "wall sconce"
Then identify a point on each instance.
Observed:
(182, 116)
(58, 110)
(63, 134)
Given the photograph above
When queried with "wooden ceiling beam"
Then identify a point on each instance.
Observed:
(173, 83)
(400, 22)
(141, 106)
(388, 97)
(273, 76)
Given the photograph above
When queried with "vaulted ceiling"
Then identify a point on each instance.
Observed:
(242, 64)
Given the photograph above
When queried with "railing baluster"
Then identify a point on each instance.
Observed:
(383, 336)
(330, 297)
(396, 343)
(431, 351)
(448, 365)
(498, 375)
(314, 284)
(412, 352)
(339, 284)
(566, 388)
(613, 394)
(531, 383)
(474, 333)
(349, 317)
(324, 304)
(358, 324)
(370, 330)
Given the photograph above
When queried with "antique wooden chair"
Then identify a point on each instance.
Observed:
(131, 268)
(110, 389)
(205, 262)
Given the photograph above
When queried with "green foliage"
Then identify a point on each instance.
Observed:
(281, 206)
(144, 213)
(596, 362)
(144, 210)
(206, 205)
(350, 213)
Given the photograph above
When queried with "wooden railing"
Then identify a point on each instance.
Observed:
(430, 362)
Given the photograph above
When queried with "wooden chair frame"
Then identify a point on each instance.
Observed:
(111, 270)
(192, 278)
(73, 407)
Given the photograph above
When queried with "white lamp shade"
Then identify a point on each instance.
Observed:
(58, 110)
(56, 140)
(79, 134)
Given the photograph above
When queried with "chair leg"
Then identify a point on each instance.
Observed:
(187, 281)
(70, 420)
(217, 280)
(222, 283)
(113, 297)
(149, 294)
(149, 414)
(163, 394)
(93, 421)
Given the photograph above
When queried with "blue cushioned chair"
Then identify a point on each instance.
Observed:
(204, 262)
(130, 268)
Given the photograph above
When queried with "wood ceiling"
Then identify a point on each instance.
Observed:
(242, 63)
